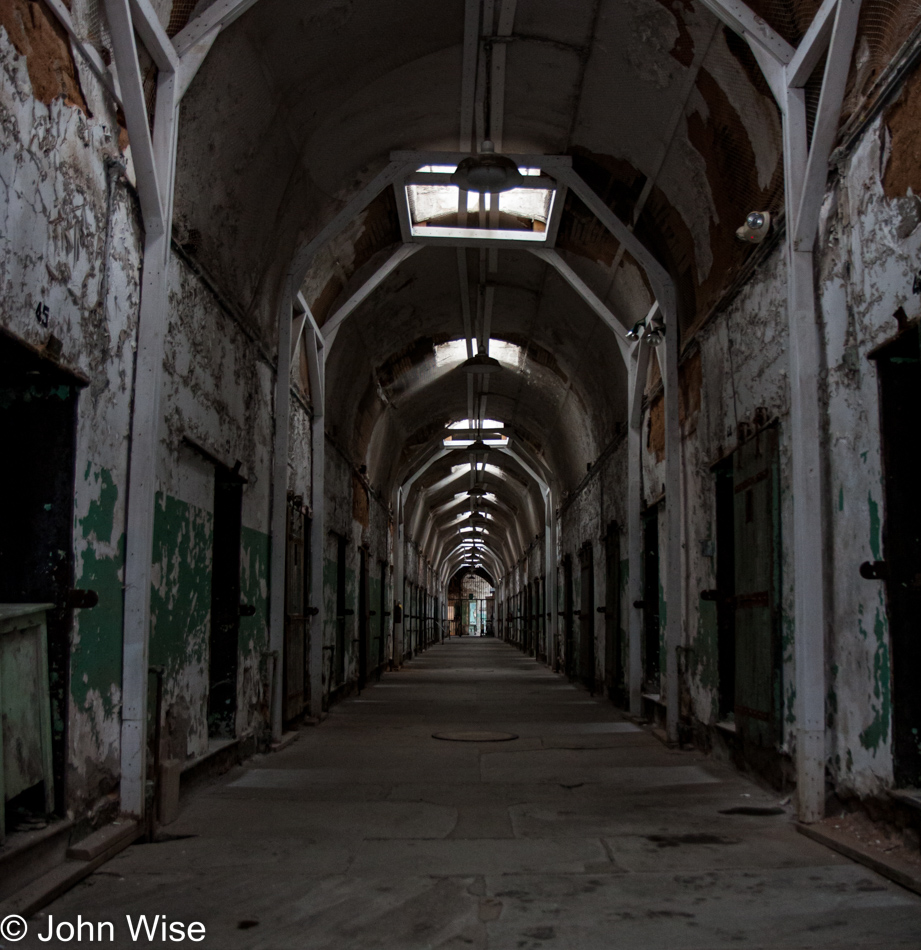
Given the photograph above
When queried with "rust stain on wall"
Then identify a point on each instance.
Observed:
(381, 230)
(903, 170)
(730, 163)
(360, 507)
(37, 35)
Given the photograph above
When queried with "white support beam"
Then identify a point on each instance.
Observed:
(154, 37)
(352, 208)
(742, 20)
(157, 153)
(406, 225)
(279, 527)
(316, 369)
(468, 73)
(556, 214)
(805, 172)
(150, 184)
(825, 130)
(662, 285)
(219, 15)
(667, 355)
(614, 322)
(636, 387)
(193, 58)
(359, 296)
(812, 46)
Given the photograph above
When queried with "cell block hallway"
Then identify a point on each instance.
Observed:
(459, 474)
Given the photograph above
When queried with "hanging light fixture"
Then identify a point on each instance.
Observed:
(480, 364)
(487, 172)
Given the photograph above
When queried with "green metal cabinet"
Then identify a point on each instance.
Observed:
(25, 737)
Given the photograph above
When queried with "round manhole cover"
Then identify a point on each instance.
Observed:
(472, 735)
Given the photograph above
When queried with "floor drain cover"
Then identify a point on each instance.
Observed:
(474, 736)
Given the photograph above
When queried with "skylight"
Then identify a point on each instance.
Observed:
(434, 208)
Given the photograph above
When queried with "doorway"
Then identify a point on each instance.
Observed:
(364, 619)
(651, 644)
(899, 371)
(225, 603)
(755, 598)
(38, 426)
(614, 679)
(297, 584)
(587, 616)
(725, 589)
(339, 665)
(568, 664)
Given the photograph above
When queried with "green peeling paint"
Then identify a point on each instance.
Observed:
(874, 528)
(254, 587)
(180, 597)
(96, 659)
(878, 730)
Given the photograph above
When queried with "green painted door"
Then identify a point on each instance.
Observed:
(757, 679)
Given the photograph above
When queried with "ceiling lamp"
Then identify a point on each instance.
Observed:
(477, 448)
(480, 364)
(487, 172)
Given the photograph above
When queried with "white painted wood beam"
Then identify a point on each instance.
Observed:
(357, 298)
(825, 129)
(637, 385)
(279, 517)
(150, 185)
(193, 58)
(154, 37)
(352, 208)
(220, 14)
(468, 73)
(741, 19)
(613, 321)
(812, 46)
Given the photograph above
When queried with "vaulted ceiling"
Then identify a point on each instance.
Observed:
(299, 105)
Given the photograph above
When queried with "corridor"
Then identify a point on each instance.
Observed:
(582, 832)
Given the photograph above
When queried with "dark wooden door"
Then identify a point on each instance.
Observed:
(614, 679)
(364, 620)
(651, 585)
(225, 604)
(587, 616)
(568, 618)
(900, 392)
(755, 515)
(296, 573)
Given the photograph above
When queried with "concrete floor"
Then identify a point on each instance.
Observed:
(585, 832)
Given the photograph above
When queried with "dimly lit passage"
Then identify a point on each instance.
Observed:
(455, 457)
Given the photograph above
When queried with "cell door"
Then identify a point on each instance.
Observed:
(900, 399)
(341, 616)
(651, 631)
(614, 679)
(225, 604)
(568, 617)
(364, 621)
(755, 516)
(587, 617)
(295, 657)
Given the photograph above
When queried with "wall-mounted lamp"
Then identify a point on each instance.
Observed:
(756, 227)
(651, 331)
